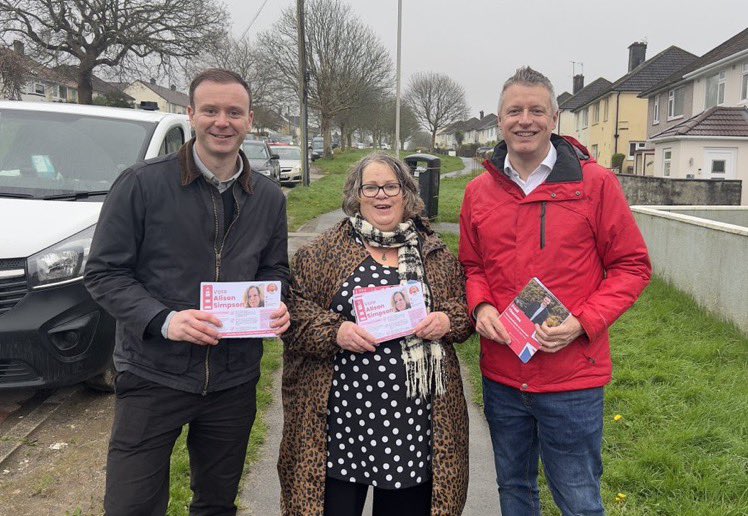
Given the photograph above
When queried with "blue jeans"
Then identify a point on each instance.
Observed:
(565, 429)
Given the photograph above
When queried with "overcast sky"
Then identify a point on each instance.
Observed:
(480, 43)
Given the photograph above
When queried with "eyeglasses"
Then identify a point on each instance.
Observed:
(390, 190)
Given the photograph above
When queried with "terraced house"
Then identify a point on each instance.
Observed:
(613, 120)
(697, 125)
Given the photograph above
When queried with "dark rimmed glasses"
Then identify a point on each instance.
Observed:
(390, 190)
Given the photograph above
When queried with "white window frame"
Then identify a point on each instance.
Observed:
(595, 151)
(744, 84)
(667, 161)
(719, 80)
(37, 86)
(605, 109)
(656, 111)
(671, 98)
(585, 118)
(595, 113)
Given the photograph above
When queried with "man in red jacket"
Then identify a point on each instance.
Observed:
(545, 209)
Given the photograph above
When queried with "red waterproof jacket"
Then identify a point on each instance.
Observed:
(575, 233)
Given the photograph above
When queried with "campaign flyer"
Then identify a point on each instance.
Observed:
(534, 305)
(389, 312)
(243, 307)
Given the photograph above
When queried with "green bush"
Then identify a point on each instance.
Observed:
(616, 161)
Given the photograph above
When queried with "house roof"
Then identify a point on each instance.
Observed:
(563, 97)
(732, 46)
(99, 85)
(470, 125)
(171, 96)
(653, 70)
(586, 94)
(38, 70)
(488, 121)
(717, 121)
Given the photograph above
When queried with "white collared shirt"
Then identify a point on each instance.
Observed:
(211, 177)
(537, 177)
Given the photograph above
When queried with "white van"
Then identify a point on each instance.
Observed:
(57, 163)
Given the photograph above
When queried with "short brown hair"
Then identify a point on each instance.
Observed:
(221, 76)
(351, 201)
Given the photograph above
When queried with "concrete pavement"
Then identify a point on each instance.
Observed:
(260, 492)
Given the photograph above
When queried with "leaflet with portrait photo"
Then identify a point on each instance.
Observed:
(389, 312)
(534, 305)
(243, 307)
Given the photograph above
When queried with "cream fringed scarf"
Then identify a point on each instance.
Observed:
(423, 359)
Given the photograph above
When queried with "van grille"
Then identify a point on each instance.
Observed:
(16, 371)
(12, 289)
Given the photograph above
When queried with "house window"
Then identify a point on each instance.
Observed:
(595, 113)
(656, 111)
(578, 117)
(73, 94)
(605, 109)
(675, 101)
(666, 160)
(715, 90)
(718, 166)
(744, 88)
(584, 118)
(62, 92)
(39, 88)
(595, 153)
(633, 147)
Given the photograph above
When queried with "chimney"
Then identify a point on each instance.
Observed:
(173, 87)
(481, 115)
(637, 54)
(18, 47)
(153, 81)
(578, 83)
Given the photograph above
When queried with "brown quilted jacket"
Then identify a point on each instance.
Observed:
(318, 271)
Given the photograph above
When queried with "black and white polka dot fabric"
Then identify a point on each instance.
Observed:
(375, 434)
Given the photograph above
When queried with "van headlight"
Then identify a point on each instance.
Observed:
(62, 262)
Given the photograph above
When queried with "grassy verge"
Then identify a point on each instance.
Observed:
(180, 493)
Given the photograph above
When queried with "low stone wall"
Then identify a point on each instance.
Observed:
(648, 191)
(701, 256)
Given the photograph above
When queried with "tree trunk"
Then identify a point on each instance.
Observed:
(85, 85)
(433, 140)
(324, 126)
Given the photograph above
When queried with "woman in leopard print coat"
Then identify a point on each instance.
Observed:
(310, 347)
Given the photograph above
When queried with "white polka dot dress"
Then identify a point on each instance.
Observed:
(375, 434)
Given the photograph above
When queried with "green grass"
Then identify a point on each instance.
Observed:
(179, 491)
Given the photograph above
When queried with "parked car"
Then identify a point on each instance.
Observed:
(57, 164)
(262, 159)
(484, 152)
(318, 147)
(290, 163)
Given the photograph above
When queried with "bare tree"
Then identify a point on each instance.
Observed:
(345, 59)
(436, 101)
(13, 74)
(113, 32)
(246, 59)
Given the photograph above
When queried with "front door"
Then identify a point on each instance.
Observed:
(719, 163)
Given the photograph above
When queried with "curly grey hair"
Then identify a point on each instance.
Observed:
(351, 200)
(526, 76)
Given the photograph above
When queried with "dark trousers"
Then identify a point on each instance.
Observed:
(148, 419)
(348, 498)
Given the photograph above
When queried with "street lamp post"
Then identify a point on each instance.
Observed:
(397, 93)
(301, 41)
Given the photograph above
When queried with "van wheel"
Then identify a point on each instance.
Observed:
(104, 381)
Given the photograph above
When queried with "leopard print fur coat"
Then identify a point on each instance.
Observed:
(318, 271)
